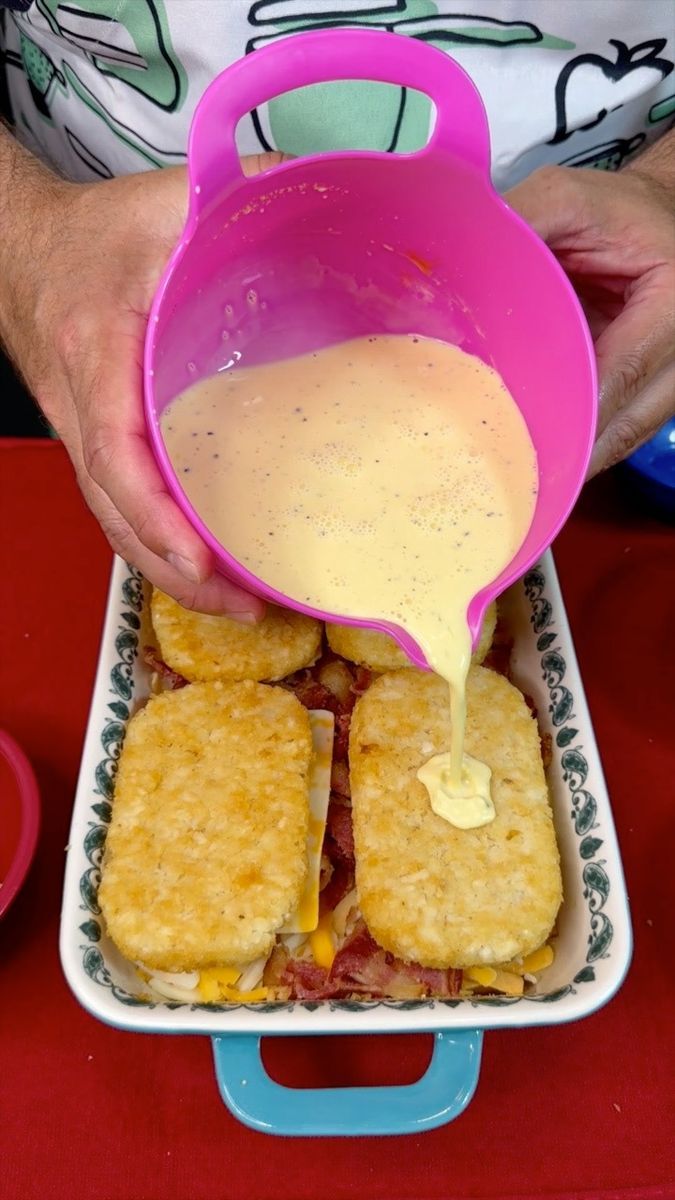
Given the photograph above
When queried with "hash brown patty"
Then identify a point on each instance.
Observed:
(431, 893)
(205, 857)
(379, 652)
(203, 648)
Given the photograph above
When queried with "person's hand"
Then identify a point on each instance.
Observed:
(614, 235)
(81, 284)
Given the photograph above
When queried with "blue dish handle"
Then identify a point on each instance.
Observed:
(439, 1096)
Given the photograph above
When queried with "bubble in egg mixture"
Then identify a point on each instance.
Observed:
(396, 475)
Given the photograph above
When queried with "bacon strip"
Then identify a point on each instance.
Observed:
(310, 692)
(311, 688)
(340, 882)
(363, 678)
(173, 680)
(339, 779)
(498, 657)
(546, 750)
(363, 968)
(341, 738)
(275, 967)
(306, 980)
(360, 967)
(340, 832)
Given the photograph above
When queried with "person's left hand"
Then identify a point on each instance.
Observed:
(614, 235)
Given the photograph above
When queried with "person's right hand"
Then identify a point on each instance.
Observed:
(77, 289)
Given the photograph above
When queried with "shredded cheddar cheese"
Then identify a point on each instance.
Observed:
(322, 945)
(251, 997)
(214, 981)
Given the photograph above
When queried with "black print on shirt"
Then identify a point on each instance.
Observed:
(644, 56)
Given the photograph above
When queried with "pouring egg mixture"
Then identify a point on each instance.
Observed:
(389, 477)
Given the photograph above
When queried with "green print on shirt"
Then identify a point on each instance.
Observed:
(370, 116)
(44, 77)
(608, 156)
(126, 39)
(662, 110)
(42, 74)
(153, 157)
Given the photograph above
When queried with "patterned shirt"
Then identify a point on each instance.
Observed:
(105, 87)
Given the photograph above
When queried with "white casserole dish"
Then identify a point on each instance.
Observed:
(593, 946)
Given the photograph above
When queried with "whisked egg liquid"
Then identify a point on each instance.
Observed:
(388, 477)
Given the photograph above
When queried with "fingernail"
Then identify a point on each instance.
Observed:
(186, 567)
(244, 618)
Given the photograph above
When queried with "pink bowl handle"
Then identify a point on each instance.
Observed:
(294, 62)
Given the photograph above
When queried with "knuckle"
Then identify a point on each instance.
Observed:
(630, 374)
(118, 534)
(75, 330)
(553, 179)
(98, 451)
(145, 530)
(548, 174)
(623, 436)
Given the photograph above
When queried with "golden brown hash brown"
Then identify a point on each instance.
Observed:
(205, 857)
(431, 893)
(378, 651)
(204, 647)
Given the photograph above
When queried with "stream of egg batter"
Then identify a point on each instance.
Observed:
(389, 477)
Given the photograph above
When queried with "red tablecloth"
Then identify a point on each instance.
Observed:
(583, 1111)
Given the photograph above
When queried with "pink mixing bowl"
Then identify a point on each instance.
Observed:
(336, 246)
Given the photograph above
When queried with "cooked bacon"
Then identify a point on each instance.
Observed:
(363, 968)
(311, 693)
(339, 779)
(546, 750)
(341, 881)
(355, 951)
(363, 677)
(306, 980)
(360, 967)
(332, 684)
(498, 657)
(326, 872)
(171, 678)
(340, 832)
(437, 983)
(335, 675)
(455, 980)
(341, 739)
(275, 967)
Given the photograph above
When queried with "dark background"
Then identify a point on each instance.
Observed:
(19, 415)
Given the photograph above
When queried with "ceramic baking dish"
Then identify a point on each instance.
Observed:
(593, 946)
